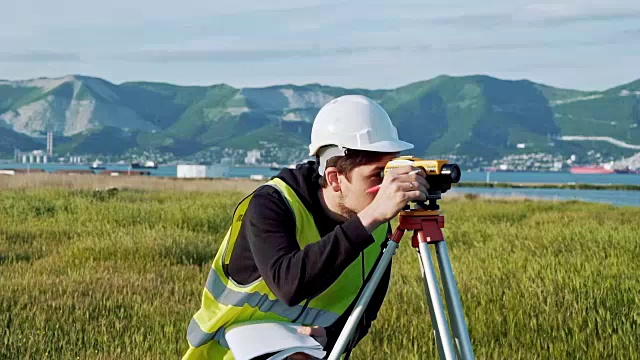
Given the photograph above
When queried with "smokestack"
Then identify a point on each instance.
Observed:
(50, 143)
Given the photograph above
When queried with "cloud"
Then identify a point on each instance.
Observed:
(612, 16)
(206, 55)
(245, 39)
(314, 51)
(252, 55)
(127, 12)
(536, 14)
(40, 57)
(555, 44)
(576, 11)
(479, 20)
(228, 54)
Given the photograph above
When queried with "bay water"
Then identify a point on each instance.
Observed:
(615, 197)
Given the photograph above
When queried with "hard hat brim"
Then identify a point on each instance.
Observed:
(388, 146)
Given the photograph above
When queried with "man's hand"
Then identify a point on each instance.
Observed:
(399, 186)
(318, 333)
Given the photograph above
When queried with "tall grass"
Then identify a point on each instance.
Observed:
(118, 274)
(86, 181)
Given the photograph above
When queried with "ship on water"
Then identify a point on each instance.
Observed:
(97, 165)
(591, 169)
(607, 168)
(145, 165)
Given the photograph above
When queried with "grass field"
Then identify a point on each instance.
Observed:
(118, 274)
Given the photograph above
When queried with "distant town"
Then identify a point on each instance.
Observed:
(272, 156)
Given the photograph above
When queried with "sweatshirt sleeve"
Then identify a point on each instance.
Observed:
(295, 274)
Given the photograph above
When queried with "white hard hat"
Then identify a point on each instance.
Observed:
(355, 122)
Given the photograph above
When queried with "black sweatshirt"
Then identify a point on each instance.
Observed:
(267, 248)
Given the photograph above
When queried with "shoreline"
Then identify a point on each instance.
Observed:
(83, 179)
(506, 191)
(562, 186)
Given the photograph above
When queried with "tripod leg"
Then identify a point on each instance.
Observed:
(361, 305)
(454, 305)
(436, 334)
(434, 295)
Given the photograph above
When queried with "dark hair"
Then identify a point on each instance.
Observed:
(351, 160)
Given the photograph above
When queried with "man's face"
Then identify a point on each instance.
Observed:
(354, 197)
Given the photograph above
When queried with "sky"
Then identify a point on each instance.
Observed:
(585, 45)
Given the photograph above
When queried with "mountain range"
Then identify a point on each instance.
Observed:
(469, 115)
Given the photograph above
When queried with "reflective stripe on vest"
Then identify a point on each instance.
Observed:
(226, 303)
(198, 337)
(226, 296)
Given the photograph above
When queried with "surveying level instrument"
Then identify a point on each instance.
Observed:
(426, 222)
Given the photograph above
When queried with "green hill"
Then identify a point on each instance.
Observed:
(469, 115)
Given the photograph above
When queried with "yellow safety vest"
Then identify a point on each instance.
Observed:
(225, 302)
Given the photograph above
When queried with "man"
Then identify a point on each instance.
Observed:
(302, 246)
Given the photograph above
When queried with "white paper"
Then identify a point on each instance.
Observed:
(259, 338)
(284, 353)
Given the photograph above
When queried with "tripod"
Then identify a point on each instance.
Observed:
(426, 223)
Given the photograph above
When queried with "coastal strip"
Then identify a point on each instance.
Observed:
(525, 185)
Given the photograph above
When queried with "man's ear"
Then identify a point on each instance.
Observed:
(331, 175)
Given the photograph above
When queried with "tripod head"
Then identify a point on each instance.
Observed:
(430, 205)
